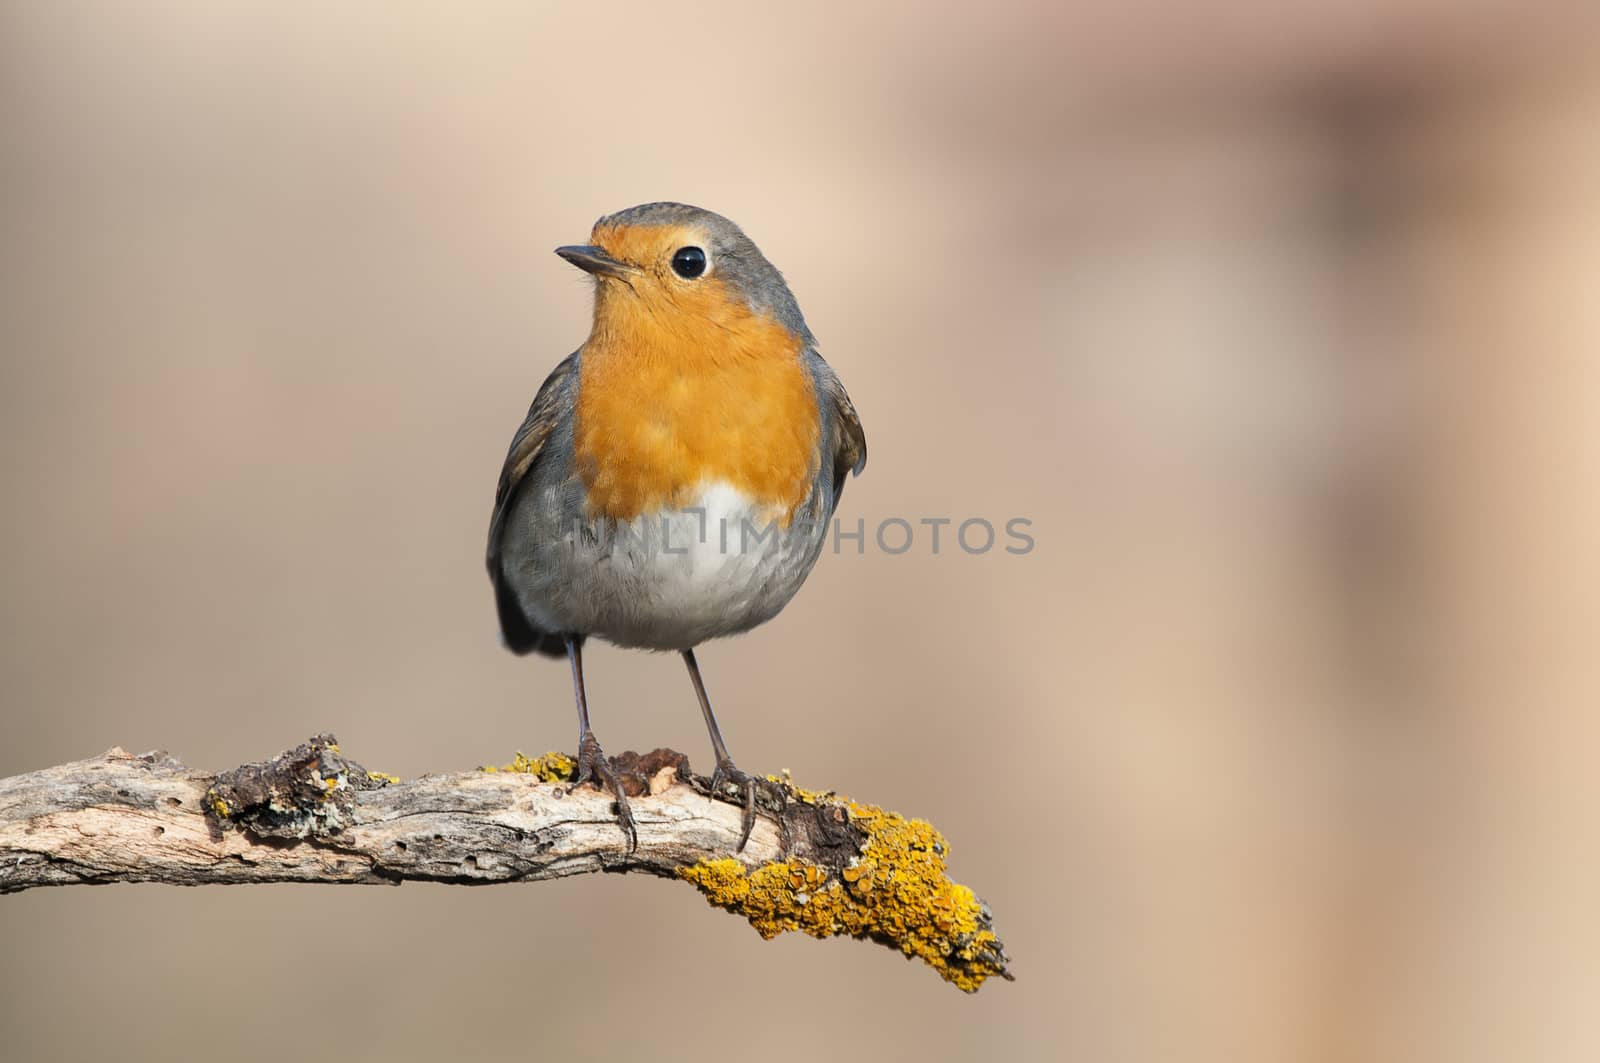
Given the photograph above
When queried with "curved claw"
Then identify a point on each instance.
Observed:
(725, 773)
(595, 769)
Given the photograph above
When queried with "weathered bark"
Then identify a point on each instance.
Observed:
(311, 815)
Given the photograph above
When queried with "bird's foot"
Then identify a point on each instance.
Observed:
(725, 775)
(595, 769)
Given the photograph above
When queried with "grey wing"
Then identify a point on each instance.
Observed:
(551, 406)
(844, 443)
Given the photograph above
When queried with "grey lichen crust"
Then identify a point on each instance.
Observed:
(308, 791)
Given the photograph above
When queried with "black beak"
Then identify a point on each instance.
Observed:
(594, 260)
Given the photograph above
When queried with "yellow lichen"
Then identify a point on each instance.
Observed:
(383, 777)
(217, 804)
(552, 767)
(895, 892)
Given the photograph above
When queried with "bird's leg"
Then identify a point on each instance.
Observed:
(593, 767)
(725, 772)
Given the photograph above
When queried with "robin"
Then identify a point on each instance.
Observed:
(675, 477)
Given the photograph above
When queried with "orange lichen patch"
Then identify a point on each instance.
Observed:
(682, 384)
(895, 892)
(551, 767)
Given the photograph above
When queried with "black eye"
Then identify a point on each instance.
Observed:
(688, 262)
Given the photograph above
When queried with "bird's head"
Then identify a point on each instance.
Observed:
(674, 271)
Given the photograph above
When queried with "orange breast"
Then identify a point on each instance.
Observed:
(671, 396)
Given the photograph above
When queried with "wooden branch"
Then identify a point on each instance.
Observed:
(821, 864)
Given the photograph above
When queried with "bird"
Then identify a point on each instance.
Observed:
(675, 477)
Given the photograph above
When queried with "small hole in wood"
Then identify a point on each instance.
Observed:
(160, 831)
(401, 846)
(472, 863)
(173, 802)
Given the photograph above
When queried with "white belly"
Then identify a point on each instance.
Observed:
(672, 580)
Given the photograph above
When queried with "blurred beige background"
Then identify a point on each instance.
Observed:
(1280, 322)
